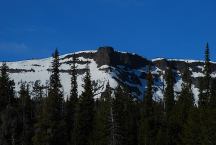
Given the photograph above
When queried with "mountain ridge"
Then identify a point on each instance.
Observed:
(107, 65)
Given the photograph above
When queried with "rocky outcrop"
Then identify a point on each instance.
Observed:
(20, 70)
(107, 56)
(179, 65)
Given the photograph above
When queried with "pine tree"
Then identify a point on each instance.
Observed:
(185, 100)
(169, 91)
(38, 91)
(131, 117)
(85, 116)
(6, 88)
(71, 103)
(37, 99)
(207, 70)
(184, 104)
(125, 117)
(26, 114)
(74, 85)
(103, 133)
(205, 82)
(50, 129)
(169, 99)
(9, 116)
(201, 123)
(147, 121)
(148, 99)
(203, 100)
(206, 101)
(119, 116)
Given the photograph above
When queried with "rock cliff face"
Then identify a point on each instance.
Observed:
(108, 65)
(180, 64)
(107, 56)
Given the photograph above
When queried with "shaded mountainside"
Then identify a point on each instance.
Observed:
(107, 65)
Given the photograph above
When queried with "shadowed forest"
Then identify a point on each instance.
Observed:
(44, 116)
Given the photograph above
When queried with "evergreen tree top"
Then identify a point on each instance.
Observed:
(56, 53)
(207, 45)
(74, 58)
(74, 85)
(55, 83)
(6, 87)
(207, 57)
(4, 70)
(88, 89)
(186, 76)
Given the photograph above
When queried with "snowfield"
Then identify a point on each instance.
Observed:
(37, 69)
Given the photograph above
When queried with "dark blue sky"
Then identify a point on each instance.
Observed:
(152, 28)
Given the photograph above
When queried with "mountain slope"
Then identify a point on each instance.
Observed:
(107, 65)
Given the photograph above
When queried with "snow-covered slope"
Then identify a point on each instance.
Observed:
(31, 70)
(107, 65)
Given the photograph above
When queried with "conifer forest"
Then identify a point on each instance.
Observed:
(44, 116)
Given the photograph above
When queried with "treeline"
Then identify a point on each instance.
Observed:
(116, 118)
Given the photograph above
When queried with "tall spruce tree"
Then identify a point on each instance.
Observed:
(186, 99)
(125, 117)
(207, 69)
(9, 116)
(184, 105)
(74, 85)
(169, 91)
(26, 114)
(200, 127)
(6, 88)
(161, 137)
(37, 91)
(37, 95)
(206, 113)
(85, 116)
(50, 129)
(205, 82)
(147, 122)
(169, 99)
(71, 103)
(131, 117)
(104, 130)
(119, 116)
(148, 99)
